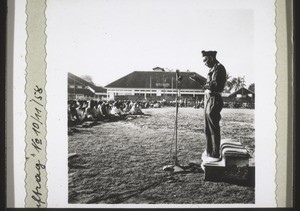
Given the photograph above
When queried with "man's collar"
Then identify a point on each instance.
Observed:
(214, 67)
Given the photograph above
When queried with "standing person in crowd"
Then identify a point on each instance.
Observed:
(213, 102)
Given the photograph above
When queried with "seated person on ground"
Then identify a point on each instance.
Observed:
(81, 111)
(72, 112)
(104, 110)
(98, 113)
(90, 116)
(126, 108)
(135, 109)
(116, 110)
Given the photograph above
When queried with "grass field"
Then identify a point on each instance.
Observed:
(121, 162)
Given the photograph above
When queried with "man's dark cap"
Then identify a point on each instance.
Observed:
(209, 53)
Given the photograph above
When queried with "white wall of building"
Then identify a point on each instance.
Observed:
(112, 92)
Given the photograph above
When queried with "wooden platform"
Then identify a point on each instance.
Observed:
(234, 164)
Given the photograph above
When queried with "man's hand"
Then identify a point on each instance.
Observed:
(210, 85)
(206, 86)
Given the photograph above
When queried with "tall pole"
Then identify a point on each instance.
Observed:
(176, 117)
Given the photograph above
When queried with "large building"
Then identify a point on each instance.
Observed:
(243, 97)
(79, 88)
(157, 84)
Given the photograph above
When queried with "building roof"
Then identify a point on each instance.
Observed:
(97, 89)
(157, 80)
(242, 90)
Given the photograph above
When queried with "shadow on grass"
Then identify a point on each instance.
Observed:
(117, 198)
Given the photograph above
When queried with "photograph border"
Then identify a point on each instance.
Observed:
(289, 133)
(284, 133)
(3, 59)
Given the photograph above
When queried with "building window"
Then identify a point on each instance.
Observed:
(72, 86)
(241, 96)
(79, 87)
(79, 96)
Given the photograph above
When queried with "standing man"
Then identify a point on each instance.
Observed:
(213, 103)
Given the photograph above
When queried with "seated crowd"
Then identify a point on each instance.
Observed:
(81, 111)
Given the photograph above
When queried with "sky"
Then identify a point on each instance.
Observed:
(108, 39)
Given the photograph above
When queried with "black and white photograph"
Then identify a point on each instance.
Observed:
(161, 103)
(153, 104)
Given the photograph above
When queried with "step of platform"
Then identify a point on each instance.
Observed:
(232, 166)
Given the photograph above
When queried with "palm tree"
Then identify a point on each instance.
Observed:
(235, 84)
(229, 84)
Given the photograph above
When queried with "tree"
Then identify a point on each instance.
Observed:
(252, 87)
(235, 84)
(88, 78)
(228, 85)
